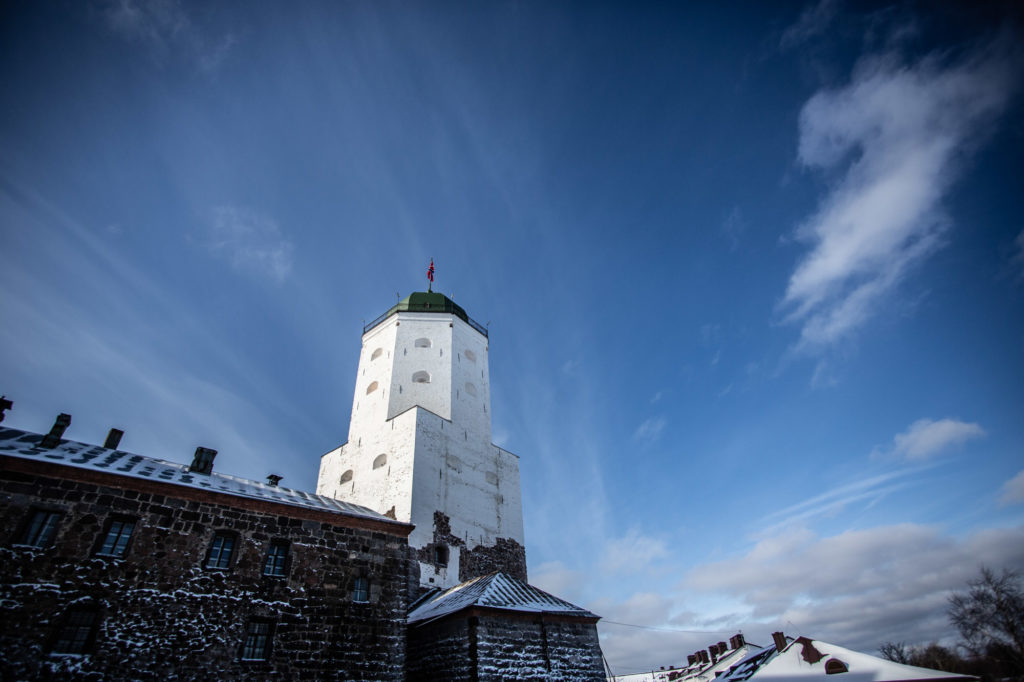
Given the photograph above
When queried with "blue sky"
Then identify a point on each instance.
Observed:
(754, 274)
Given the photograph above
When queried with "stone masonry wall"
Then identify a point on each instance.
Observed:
(441, 651)
(532, 647)
(162, 614)
(487, 645)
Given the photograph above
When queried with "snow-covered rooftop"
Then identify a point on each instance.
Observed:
(794, 663)
(25, 445)
(497, 591)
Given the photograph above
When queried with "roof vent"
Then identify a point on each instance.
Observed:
(113, 439)
(273, 480)
(780, 641)
(52, 439)
(202, 462)
(5, 405)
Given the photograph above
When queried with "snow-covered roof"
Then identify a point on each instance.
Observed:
(697, 672)
(497, 591)
(794, 663)
(25, 445)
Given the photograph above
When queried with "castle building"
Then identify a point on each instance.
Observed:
(419, 445)
(409, 563)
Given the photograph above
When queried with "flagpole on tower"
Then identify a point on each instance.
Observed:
(430, 277)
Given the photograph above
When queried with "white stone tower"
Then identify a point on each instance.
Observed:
(419, 443)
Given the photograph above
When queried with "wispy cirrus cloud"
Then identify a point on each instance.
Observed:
(250, 241)
(813, 21)
(894, 139)
(164, 27)
(650, 429)
(926, 438)
(1013, 490)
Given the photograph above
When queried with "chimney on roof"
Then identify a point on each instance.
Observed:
(713, 650)
(736, 641)
(202, 462)
(703, 653)
(780, 641)
(113, 439)
(273, 480)
(722, 648)
(5, 405)
(52, 439)
(691, 659)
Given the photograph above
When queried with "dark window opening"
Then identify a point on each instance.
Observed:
(220, 551)
(258, 636)
(41, 528)
(834, 666)
(441, 555)
(361, 590)
(76, 634)
(276, 563)
(115, 542)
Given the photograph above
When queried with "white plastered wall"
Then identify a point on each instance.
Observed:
(435, 437)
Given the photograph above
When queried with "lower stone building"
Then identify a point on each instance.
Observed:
(498, 628)
(115, 566)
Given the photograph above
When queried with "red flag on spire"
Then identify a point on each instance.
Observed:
(430, 271)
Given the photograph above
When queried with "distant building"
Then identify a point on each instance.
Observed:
(790, 660)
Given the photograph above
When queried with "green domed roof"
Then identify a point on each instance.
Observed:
(428, 302)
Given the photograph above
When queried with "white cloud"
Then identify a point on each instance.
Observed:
(164, 27)
(1018, 256)
(632, 553)
(1013, 490)
(926, 438)
(896, 136)
(813, 21)
(858, 588)
(734, 226)
(250, 241)
(650, 429)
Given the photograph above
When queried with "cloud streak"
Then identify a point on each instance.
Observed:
(1013, 490)
(927, 438)
(893, 139)
(250, 241)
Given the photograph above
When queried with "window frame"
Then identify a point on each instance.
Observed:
(361, 587)
(68, 631)
(44, 534)
(108, 528)
(277, 561)
(221, 564)
(251, 633)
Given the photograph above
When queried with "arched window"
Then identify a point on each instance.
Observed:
(834, 666)
(379, 461)
(423, 342)
(371, 388)
(470, 388)
(377, 353)
(346, 477)
(470, 355)
(421, 377)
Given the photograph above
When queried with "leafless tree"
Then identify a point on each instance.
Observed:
(990, 618)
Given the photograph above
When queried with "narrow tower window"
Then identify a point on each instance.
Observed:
(470, 355)
(470, 389)
(421, 377)
(377, 353)
(371, 388)
(379, 461)
(423, 342)
(441, 555)
(346, 477)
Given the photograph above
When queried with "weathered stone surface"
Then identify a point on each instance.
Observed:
(480, 644)
(506, 555)
(162, 614)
